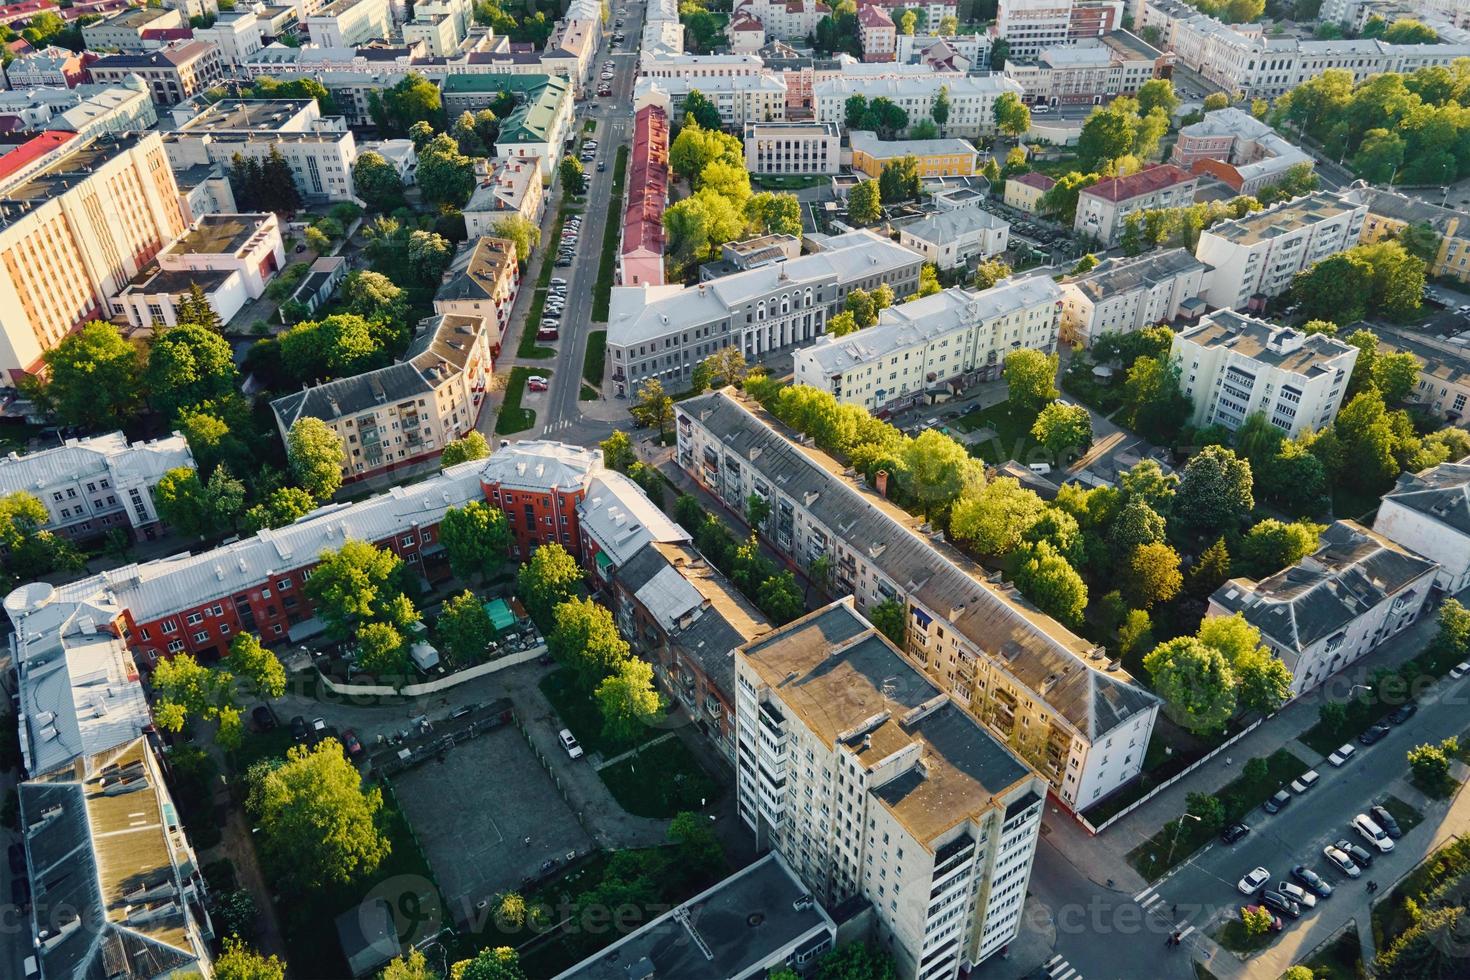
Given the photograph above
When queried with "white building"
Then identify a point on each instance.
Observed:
(971, 98)
(786, 18)
(871, 781)
(1121, 295)
(124, 31)
(692, 67)
(740, 99)
(87, 110)
(1335, 606)
(1239, 149)
(1233, 366)
(100, 482)
(1090, 71)
(950, 239)
(792, 148)
(506, 187)
(944, 342)
(1103, 207)
(239, 35)
(1257, 256)
(1031, 26)
(1080, 722)
(349, 23)
(1428, 513)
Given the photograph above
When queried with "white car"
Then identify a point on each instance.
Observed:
(1297, 894)
(569, 742)
(1460, 670)
(1341, 861)
(1253, 881)
(1369, 830)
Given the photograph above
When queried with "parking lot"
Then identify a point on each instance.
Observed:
(488, 817)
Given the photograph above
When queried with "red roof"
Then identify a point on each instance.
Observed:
(648, 183)
(1152, 178)
(871, 16)
(1033, 179)
(32, 150)
(745, 22)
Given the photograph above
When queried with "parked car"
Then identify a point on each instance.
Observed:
(1276, 925)
(1375, 835)
(1460, 670)
(569, 742)
(1253, 881)
(1312, 880)
(1384, 819)
(263, 718)
(299, 728)
(1343, 754)
(1297, 894)
(557, 281)
(1361, 856)
(1374, 734)
(1305, 781)
(1342, 862)
(536, 383)
(1403, 713)
(1277, 802)
(548, 333)
(1280, 903)
(1234, 832)
(350, 744)
(601, 165)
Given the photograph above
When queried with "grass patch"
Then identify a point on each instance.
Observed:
(513, 418)
(1390, 916)
(528, 346)
(660, 781)
(1012, 439)
(1407, 816)
(589, 126)
(579, 712)
(594, 360)
(611, 233)
(588, 393)
(1232, 936)
(1362, 714)
(1173, 843)
(1341, 959)
(1438, 789)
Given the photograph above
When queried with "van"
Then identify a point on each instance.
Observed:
(1042, 109)
(1343, 754)
(1305, 781)
(1369, 830)
(32, 968)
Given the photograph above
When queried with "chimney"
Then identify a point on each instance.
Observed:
(880, 482)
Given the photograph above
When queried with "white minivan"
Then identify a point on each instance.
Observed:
(1369, 830)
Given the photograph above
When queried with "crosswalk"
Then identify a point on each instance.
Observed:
(1152, 902)
(1059, 969)
(557, 426)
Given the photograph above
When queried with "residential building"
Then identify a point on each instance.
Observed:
(319, 283)
(230, 256)
(740, 99)
(537, 126)
(694, 66)
(511, 186)
(793, 148)
(319, 149)
(752, 253)
(78, 219)
(1122, 295)
(87, 110)
(540, 487)
(97, 483)
(1428, 513)
(616, 520)
(239, 34)
(641, 254)
(1390, 212)
(1094, 18)
(51, 65)
(786, 19)
(1239, 149)
(349, 23)
(1256, 257)
(483, 280)
(678, 611)
(442, 25)
(351, 91)
(944, 343)
(954, 52)
(950, 239)
(1031, 26)
(876, 32)
(1090, 71)
(408, 411)
(971, 98)
(125, 31)
(1082, 723)
(930, 13)
(937, 157)
(873, 783)
(1233, 366)
(1335, 606)
(1103, 207)
(1023, 192)
(663, 331)
(1442, 386)
(176, 72)
(752, 924)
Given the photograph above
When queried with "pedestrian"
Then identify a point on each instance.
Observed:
(1176, 910)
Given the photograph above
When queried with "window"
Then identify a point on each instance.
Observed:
(202, 636)
(170, 625)
(224, 629)
(175, 646)
(194, 619)
(283, 585)
(407, 541)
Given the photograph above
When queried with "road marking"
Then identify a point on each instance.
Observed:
(1152, 900)
(1069, 975)
(1146, 891)
(1048, 963)
(1185, 933)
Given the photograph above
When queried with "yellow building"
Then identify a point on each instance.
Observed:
(937, 158)
(1390, 212)
(1023, 192)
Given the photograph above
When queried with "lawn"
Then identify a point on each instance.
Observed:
(528, 346)
(790, 183)
(1012, 439)
(1406, 815)
(579, 712)
(588, 393)
(1438, 789)
(1362, 713)
(1173, 843)
(611, 234)
(1231, 934)
(513, 418)
(594, 359)
(660, 781)
(1390, 916)
(1341, 959)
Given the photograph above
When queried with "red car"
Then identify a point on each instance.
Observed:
(547, 333)
(536, 383)
(351, 744)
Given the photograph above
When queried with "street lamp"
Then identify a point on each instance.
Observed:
(1177, 828)
(1360, 687)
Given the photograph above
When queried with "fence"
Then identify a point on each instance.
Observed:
(1168, 782)
(435, 686)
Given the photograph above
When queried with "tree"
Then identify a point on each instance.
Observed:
(1431, 947)
(185, 689)
(891, 618)
(358, 583)
(201, 508)
(549, 578)
(586, 639)
(995, 519)
(463, 629)
(1211, 570)
(468, 447)
(377, 182)
(1048, 580)
(772, 213)
(908, 22)
(1407, 30)
(1062, 428)
(864, 310)
(413, 99)
(628, 700)
(1011, 115)
(1109, 132)
(653, 407)
(938, 469)
(842, 324)
(315, 454)
(1030, 379)
(476, 539)
(187, 365)
(1263, 683)
(779, 597)
(500, 963)
(990, 272)
(276, 188)
(1335, 288)
(1394, 375)
(1157, 93)
(382, 651)
(1136, 634)
(928, 282)
(939, 109)
(757, 509)
(92, 379)
(863, 203)
(698, 846)
(1216, 100)
(573, 177)
(1257, 919)
(318, 825)
(445, 175)
(617, 452)
(429, 254)
(520, 230)
(1195, 681)
(1153, 575)
(413, 966)
(240, 962)
(282, 507)
(701, 110)
(854, 110)
(31, 550)
(1061, 201)
(949, 26)
(258, 665)
(1215, 491)
(886, 117)
(1380, 156)
(697, 147)
(899, 180)
(1430, 764)
(1271, 546)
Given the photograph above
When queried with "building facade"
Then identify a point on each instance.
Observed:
(1239, 149)
(1103, 208)
(349, 23)
(1024, 192)
(951, 239)
(483, 280)
(1389, 213)
(936, 157)
(1121, 295)
(641, 252)
(1428, 513)
(176, 72)
(792, 148)
(971, 98)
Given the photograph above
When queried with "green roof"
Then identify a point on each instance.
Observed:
(540, 98)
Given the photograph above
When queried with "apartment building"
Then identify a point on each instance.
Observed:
(91, 485)
(1233, 366)
(127, 31)
(793, 148)
(87, 110)
(873, 783)
(691, 67)
(941, 343)
(955, 52)
(951, 239)
(876, 32)
(535, 128)
(349, 23)
(176, 72)
(483, 280)
(1121, 295)
(1090, 71)
(1428, 513)
(786, 19)
(78, 219)
(319, 149)
(239, 34)
(1080, 721)
(1336, 605)
(1103, 207)
(50, 66)
(504, 187)
(1442, 386)
(1239, 149)
(406, 412)
(540, 486)
(1031, 26)
(616, 520)
(740, 99)
(937, 157)
(971, 98)
(1390, 212)
(442, 26)
(1023, 192)
(1257, 256)
(641, 252)
(663, 331)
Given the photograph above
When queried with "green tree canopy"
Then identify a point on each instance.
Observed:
(1215, 491)
(315, 455)
(93, 379)
(1195, 681)
(549, 578)
(1030, 378)
(476, 538)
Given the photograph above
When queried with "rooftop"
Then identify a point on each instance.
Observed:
(540, 466)
(621, 519)
(916, 86)
(254, 114)
(1034, 178)
(476, 268)
(1441, 492)
(1285, 218)
(1284, 348)
(947, 226)
(1150, 180)
(865, 141)
(1412, 210)
(1118, 275)
(75, 459)
(221, 234)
